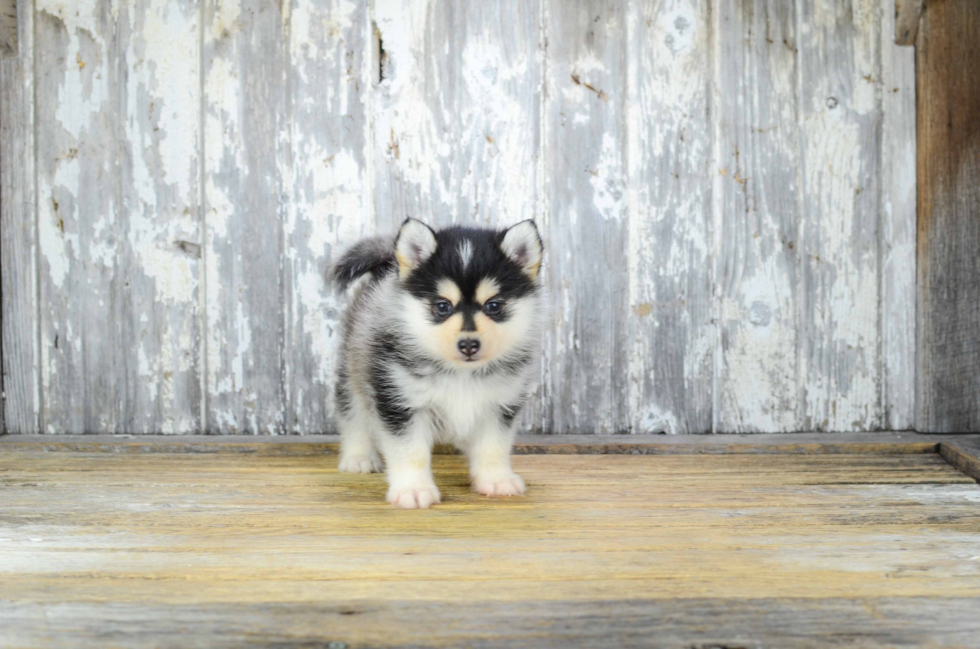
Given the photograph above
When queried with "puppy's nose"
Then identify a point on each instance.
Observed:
(469, 346)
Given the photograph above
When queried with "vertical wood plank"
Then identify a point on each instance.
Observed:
(328, 190)
(457, 111)
(497, 111)
(897, 212)
(244, 92)
(414, 107)
(158, 246)
(584, 149)
(78, 196)
(117, 222)
(18, 247)
(672, 336)
(947, 69)
(758, 193)
(839, 291)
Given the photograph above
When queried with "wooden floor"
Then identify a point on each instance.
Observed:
(233, 548)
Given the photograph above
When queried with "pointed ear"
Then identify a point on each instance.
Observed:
(522, 244)
(415, 243)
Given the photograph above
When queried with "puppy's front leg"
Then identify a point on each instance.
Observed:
(489, 453)
(408, 458)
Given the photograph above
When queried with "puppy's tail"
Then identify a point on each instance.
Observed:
(375, 255)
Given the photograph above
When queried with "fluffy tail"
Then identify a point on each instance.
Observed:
(375, 255)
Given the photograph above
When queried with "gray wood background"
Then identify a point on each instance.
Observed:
(726, 189)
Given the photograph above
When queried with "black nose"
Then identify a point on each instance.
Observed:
(469, 346)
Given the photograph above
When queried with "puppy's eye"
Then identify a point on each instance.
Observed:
(443, 307)
(492, 307)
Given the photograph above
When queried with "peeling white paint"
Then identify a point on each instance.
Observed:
(843, 366)
(496, 117)
(654, 420)
(898, 226)
(718, 332)
(669, 144)
(408, 136)
(608, 186)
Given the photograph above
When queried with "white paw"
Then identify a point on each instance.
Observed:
(413, 496)
(359, 464)
(499, 484)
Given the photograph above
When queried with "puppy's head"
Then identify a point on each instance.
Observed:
(469, 294)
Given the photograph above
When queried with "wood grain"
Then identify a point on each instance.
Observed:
(963, 454)
(758, 210)
(839, 282)
(244, 125)
(138, 541)
(585, 383)
(117, 217)
(457, 112)
(907, 15)
(78, 229)
(694, 622)
(324, 146)
(18, 244)
(897, 215)
(672, 338)
(588, 444)
(9, 37)
(414, 107)
(158, 251)
(948, 367)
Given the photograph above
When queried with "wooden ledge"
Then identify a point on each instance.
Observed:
(961, 451)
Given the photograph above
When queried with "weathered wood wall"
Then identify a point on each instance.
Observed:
(727, 190)
(948, 371)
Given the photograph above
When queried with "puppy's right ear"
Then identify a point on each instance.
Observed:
(415, 244)
(522, 244)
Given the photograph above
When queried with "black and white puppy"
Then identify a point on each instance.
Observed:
(440, 344)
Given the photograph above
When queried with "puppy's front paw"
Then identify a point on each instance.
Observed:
(413, 495)
(499, 484)
(359, 464)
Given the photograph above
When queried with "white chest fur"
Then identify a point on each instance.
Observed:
(462, 401)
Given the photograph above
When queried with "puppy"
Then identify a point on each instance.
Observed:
(440, 344)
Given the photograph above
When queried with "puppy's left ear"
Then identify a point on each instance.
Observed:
(522, 244)
(415, 244)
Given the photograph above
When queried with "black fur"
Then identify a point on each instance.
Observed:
(375, 255)
(387, 351)
(509, 413)
(487, 261)
(342, 393)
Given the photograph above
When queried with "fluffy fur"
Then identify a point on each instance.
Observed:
(440, 344)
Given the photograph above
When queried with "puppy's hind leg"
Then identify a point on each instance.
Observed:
(357, 452)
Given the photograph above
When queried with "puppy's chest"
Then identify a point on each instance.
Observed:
(463, 400)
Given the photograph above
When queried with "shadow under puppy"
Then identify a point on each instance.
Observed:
(440, 344)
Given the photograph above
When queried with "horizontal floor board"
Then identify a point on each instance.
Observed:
(130, 548)
(701, 622)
